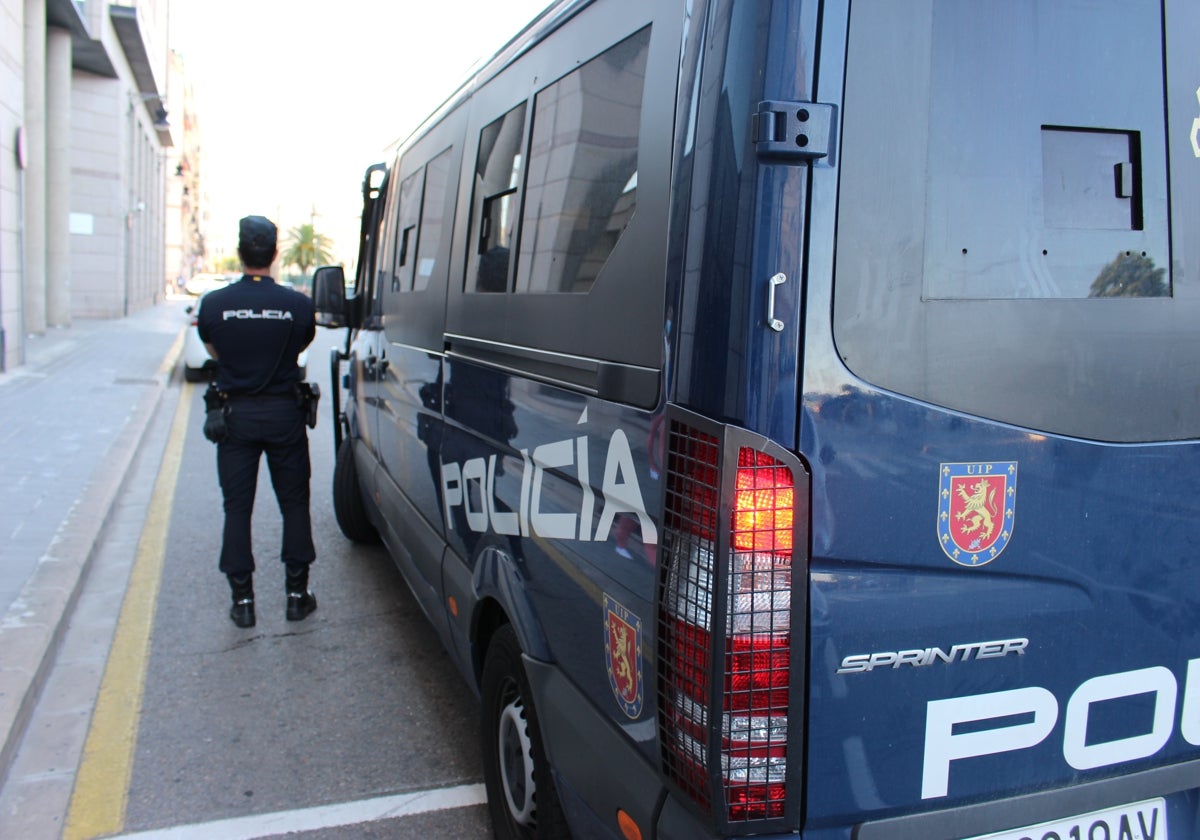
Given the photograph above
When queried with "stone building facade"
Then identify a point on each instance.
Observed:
(88, 147)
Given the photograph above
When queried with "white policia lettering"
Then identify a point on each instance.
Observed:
(266, 314)
(620, 490)
(862, 663)
(1026, 716)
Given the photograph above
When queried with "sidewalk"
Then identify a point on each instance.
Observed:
(71, 421)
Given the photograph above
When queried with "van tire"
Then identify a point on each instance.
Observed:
(522, 801)
(348, 506)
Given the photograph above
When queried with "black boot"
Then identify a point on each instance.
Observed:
(300, 601)
(242, 611)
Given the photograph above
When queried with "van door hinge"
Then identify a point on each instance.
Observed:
(794, 130)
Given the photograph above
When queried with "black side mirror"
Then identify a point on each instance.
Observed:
(329, 296)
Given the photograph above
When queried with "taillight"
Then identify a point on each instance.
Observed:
(763, 504)
(685, 610)
(758, 648)
(725, 624)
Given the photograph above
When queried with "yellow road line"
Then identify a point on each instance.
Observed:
(102, 782)
(168, 362)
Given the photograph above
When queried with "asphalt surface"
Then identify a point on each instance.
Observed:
(349, 724)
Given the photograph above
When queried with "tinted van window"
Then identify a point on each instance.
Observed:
(497, 174)
(1040, 205)
(581, 190)
(1004, 246)
(561, 239)
(406, 232)
(435, 217)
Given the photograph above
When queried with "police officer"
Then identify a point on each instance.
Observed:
(254, 329)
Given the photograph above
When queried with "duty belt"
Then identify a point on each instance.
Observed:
(261, 397)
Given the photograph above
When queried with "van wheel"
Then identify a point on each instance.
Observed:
(348, 506)
(522, 801)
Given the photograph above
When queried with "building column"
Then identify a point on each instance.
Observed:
(34, 282)
(58, 178)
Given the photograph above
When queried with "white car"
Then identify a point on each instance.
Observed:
(198, 366)
(201, 283)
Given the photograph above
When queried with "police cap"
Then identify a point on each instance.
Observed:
(256, 240)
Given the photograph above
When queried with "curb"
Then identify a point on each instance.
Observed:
(32, 629)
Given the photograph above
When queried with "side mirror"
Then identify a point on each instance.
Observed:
(329, 296)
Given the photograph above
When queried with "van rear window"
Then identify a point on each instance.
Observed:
(1004, 225)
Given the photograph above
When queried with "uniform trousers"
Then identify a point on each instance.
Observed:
(274, 426)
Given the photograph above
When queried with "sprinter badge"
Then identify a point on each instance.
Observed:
(976, 506)
(623, 643)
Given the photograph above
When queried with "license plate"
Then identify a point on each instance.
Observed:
(1139, 821)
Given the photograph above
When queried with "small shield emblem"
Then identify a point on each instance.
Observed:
(623, 643)
(976, 510)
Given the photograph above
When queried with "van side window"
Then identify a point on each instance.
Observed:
(406, 232)
(386, 258)
(435, 214)
(565, 219)
(372, 275)
(497, 175)
(581, 187)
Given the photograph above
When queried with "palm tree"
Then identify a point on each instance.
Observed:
(305, 248)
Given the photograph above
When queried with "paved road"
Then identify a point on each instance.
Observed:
(162, 719)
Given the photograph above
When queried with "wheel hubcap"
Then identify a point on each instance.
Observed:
(516, 763)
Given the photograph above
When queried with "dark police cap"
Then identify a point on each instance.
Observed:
(256, 233)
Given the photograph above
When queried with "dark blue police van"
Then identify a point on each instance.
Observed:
(787, 413)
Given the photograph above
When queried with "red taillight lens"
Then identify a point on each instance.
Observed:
(751, 575)
(756, 673)
(685, 611)
(692, 486)
(756, 727)
(758, 648)
(748, 804)
(692, 643)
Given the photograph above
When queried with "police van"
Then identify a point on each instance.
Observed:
(787, 413)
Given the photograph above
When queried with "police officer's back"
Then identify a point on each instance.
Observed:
(255, 328)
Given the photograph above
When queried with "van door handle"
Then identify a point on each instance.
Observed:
(773, 322)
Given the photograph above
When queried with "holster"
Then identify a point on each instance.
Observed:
(308, 396)
(214, 415)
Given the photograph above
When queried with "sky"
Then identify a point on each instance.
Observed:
(295, 98)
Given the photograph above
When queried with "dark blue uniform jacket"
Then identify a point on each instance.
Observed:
(256, 326)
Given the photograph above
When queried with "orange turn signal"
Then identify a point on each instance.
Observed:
(628, 827)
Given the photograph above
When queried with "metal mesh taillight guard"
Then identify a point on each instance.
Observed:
(732, 618)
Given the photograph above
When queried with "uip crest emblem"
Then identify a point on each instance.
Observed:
(623, 643)
(976, 510)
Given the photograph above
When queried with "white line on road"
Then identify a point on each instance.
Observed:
(322, 816)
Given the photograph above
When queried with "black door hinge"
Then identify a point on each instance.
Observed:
(794, 130)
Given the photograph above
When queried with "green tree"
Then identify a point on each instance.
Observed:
(305, 248)
(1130, 275)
